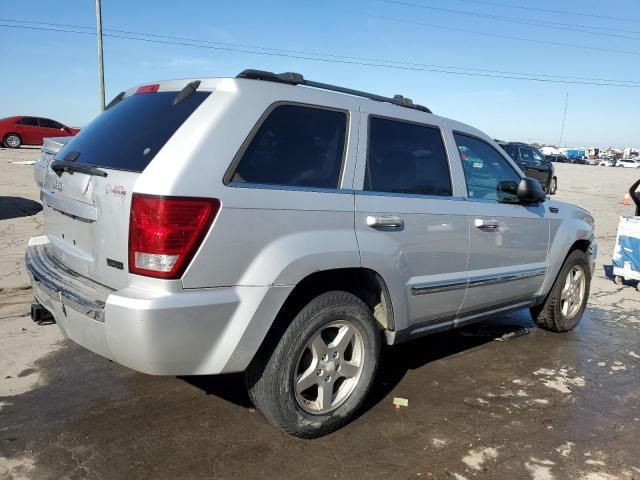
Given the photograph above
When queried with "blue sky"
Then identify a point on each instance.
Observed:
(55, 74)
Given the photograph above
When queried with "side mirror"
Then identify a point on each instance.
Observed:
(530, 191)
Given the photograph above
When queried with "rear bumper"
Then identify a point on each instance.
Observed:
(191, 332)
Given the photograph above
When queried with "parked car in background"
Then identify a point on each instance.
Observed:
(21, 130)
(607, 162)
(362, 239)
(533, 163)
(579, 160)
(557, 159)
(50, 147)
(593, 161)
(628, 163)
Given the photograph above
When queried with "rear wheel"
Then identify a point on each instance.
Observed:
(554, 186)
(12, 140)
(563, 308)
(315, 378)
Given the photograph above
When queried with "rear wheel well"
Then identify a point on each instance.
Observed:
(361, 282)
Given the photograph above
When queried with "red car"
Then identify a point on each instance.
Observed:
(16, 131)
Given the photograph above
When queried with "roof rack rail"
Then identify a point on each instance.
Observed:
(292, 78)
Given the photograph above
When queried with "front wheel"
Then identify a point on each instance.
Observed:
(554, 186)
(315, 378)
(12, 141)
(563, 308)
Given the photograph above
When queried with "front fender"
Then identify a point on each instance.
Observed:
(572, 226)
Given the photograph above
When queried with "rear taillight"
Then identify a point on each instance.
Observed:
(165, 232)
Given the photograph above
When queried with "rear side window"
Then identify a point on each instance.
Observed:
(128, 135)
(32, 122)
(46, 123)
(406, 158)
(295, 146)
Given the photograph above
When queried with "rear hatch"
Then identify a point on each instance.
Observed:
(87, 191)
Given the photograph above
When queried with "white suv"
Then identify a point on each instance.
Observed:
(628, 163)
(287, 228)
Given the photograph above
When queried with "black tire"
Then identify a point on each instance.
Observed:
(12, 140)
(554, 186)
(618, 280)
(549, 314)
(271, 375)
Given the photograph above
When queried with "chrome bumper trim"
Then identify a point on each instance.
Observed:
(64, 286)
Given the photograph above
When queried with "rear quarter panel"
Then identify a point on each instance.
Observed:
(265, 235)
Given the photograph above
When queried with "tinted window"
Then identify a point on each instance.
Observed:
(46, 123)
(128, 135)
(530, 155)
(512, 152)
(31, 121)
(295, 146)
(485, 170)
(406, 158)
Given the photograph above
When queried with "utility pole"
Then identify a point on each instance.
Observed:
(564, 117)
(100, 61)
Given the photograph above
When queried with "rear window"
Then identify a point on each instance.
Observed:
(130, 134)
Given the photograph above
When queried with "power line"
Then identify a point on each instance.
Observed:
(509, 37)
(307, 52)
(546, 10)
(536, 23)
(310, 57)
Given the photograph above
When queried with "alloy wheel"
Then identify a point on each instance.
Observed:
(329, 367)
(573, 292)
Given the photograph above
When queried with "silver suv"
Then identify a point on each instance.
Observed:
(288, 228)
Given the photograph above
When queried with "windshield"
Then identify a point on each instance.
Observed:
(128, 135)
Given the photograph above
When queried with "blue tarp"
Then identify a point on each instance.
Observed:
(629, 252)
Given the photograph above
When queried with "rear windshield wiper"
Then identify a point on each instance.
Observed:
(116, 100)
(60, 166)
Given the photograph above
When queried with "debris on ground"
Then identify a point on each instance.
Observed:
(400, 402)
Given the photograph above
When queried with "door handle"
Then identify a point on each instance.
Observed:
(386, 221)
(489, 224)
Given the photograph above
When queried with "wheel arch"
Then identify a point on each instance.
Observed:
(12, 133)
(583, 244)
(364, 283)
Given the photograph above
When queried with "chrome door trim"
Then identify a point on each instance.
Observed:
(505, 278)
(437, 287)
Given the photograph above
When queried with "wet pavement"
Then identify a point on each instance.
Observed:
(538, 406)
